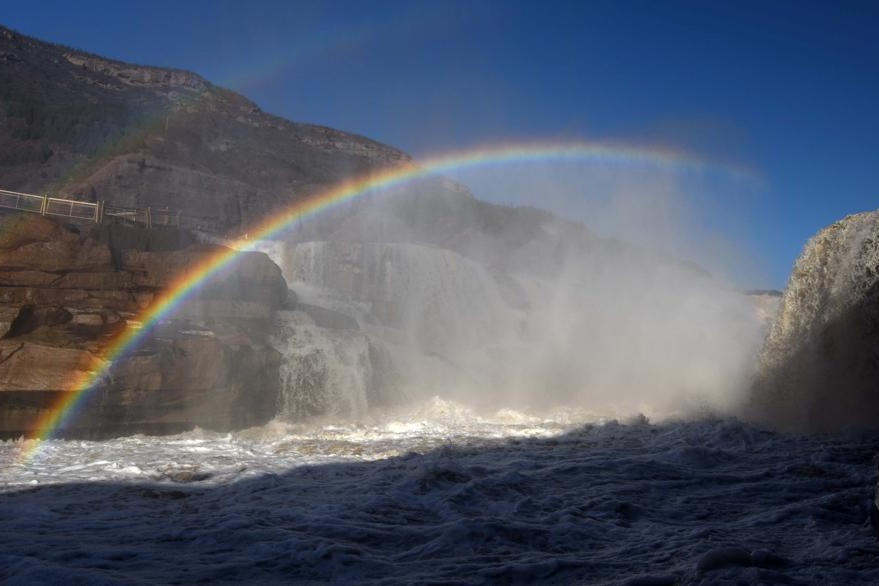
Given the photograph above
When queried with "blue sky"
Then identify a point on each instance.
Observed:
(787, 89)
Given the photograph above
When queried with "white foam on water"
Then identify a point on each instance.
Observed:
(440, 493)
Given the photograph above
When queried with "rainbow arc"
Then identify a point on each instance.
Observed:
(188, 283)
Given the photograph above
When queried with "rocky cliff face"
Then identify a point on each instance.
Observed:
(92, 128)
(84, 126)
(67, 291)
(819, 367)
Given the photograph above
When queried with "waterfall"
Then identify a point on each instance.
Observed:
(819, 364)
(418, 321)
(440, 301)
(323, 371)
(612, 331)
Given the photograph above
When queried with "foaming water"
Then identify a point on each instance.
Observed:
(441, 494)
(819, 363)
(218, 458)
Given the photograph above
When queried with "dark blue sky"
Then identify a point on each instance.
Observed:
(789, 90)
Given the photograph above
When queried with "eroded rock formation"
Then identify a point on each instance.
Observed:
(66, 292)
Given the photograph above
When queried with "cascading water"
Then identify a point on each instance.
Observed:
(441, 300)
(499, 447)
(819, 363)
(323, 372)
(615, 332)
(430, 317)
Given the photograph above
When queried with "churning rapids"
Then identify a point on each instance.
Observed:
(442, 495)
(352, 484)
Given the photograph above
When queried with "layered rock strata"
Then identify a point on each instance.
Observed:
(67, 292)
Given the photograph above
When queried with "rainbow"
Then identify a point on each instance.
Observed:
(188, 283)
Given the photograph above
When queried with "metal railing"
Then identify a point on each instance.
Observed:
(87, 211)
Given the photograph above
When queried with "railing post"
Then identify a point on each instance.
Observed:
(24, 201)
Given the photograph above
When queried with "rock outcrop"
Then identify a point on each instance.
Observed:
(79, 125)
(819, 367)
(66, 292)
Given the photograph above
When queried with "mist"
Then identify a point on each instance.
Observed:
(611, 311)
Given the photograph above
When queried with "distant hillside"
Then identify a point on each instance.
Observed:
(80, 125)
(94, 128)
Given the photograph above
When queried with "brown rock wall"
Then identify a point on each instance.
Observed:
(66, 293)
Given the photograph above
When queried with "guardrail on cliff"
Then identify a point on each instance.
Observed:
(86, 210)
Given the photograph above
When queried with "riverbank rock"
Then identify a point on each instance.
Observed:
(819, 367)
(67, 293)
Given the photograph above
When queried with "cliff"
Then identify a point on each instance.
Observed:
(66, 291)
(819, 366)
(91, 128)
(80, 125)
(88, 127)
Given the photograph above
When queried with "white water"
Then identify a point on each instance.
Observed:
(323, 372)
(437, 494)
(618, 330)
(431, 491)
(441, 301)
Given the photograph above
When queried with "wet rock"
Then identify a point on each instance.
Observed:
(182, 474)
(209, 364)
(31, 367)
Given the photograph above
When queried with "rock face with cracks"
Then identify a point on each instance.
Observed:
(66, 292)
(819, 367)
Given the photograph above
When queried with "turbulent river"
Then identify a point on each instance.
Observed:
(438, 494)
(366, 478)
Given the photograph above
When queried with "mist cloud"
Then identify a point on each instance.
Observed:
(500, 307)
